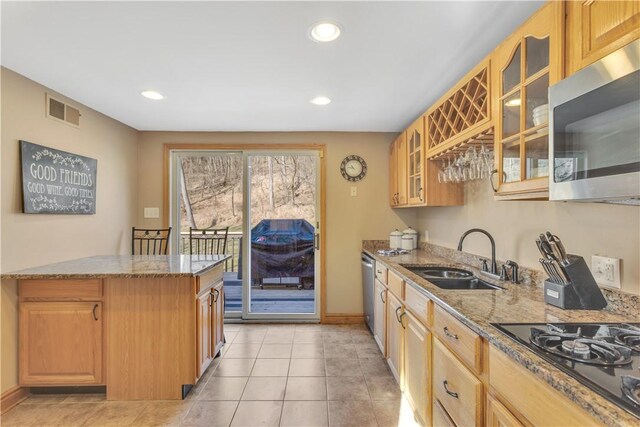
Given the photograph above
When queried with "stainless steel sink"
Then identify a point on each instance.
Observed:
(451, 277)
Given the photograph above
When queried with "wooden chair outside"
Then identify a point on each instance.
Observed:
(148, 241)
(208, 241)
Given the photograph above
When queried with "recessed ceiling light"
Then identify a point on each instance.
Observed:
(320, 100)
(325, 32)
(513, 102)
(152, 94)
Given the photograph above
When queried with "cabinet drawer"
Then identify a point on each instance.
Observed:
(61, 289)
(381, 273)
(209, 279)
(440, 416)
(459, 391)
(396, 285)
(527, 394)
(462, 340)
(418, 303)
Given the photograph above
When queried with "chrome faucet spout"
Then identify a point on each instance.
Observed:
(494, 265)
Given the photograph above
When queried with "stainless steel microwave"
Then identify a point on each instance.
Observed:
(594, 131)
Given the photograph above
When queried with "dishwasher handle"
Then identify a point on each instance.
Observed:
(367, 262)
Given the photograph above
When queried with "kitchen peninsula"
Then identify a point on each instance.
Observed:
(146, 327)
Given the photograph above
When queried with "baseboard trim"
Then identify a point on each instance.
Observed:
(12, 397)
(343, 318)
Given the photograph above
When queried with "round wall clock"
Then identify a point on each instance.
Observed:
(353, 168)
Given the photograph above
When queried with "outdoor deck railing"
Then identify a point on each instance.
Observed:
(233, 248)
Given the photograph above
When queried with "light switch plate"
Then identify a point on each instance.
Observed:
(152, 212)
(606, 270)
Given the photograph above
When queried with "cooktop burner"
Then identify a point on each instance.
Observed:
(604, 357)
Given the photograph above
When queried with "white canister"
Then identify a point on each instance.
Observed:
(407, 242)
(414, 235)
(395, 239)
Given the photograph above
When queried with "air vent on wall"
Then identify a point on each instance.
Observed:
(58, 110)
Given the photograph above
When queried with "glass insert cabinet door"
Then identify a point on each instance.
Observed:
(524, 67)
(415, 156)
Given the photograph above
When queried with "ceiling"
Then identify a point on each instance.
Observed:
(251, 66)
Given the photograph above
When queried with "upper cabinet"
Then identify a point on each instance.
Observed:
(523, 67)
(596, 28)
(398, 172)
(415, 158)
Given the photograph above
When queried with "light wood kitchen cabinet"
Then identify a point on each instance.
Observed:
(499, 416)
(596, 28)
(205, 331)
(527, 394)
(417, 367)
(523, 67)
(395, 333)
(440, 416)
(380, 316)
(415, 159)
(398, 172)
(61, 343)
(218, 318)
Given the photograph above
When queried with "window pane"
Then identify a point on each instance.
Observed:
(538, 102)
(537, 55)
(511, 115)
(537, 156)
(511, 74)
(511, 161)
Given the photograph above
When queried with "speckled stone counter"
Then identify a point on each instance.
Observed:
(122, 266)
(521, 303)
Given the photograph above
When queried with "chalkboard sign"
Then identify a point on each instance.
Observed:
(57, 182)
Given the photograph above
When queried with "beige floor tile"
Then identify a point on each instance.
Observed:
(281, 327)
(343, 368)
(279, 337)
(383, 388)
(223, 388)
(242, 351)
(275, 351)
(367, 350)
(85, 398)
(337, 337)
(163, 413)
(306, 388)
(363, 338)
(234, 368)
(351, 413)
(116, 413)
(307, 351)
(250, 337)
(210, 414)
(229, 336)
(307, 414)
(394, 413)
(232, 327)
(335, 328)
(341, 351)
(71, 414)
(307, 337)
(265, 388)
(270, 368)
(347, 388)
(307, 368)
(374, 367)
(306, 327)
(256, 414)
(45, 398)
(28, 415)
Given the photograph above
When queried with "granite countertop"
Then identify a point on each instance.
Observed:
(127, 266)
(523, 303)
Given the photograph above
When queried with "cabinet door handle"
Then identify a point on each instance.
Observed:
(95, 316)
(397, 315)
(449, 392)
(401, 322)
(216, 294)
(382, 297)
(449, 334)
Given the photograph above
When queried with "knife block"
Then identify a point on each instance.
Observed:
(581, 293)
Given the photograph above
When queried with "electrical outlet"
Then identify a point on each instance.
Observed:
(606, 270)
(354, 191)
(152, 212)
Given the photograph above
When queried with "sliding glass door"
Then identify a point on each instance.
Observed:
(262, 208)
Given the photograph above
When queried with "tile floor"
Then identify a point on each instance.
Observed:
(268, 375)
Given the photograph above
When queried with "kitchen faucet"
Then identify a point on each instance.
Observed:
(494, 266)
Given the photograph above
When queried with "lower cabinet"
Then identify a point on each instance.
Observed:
(205, 332)
(395, 328)
(61, 343)
(499, 416)
(380, 316)
(417, 370)
(440, 416)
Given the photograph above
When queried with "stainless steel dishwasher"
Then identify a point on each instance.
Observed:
(368, 275)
